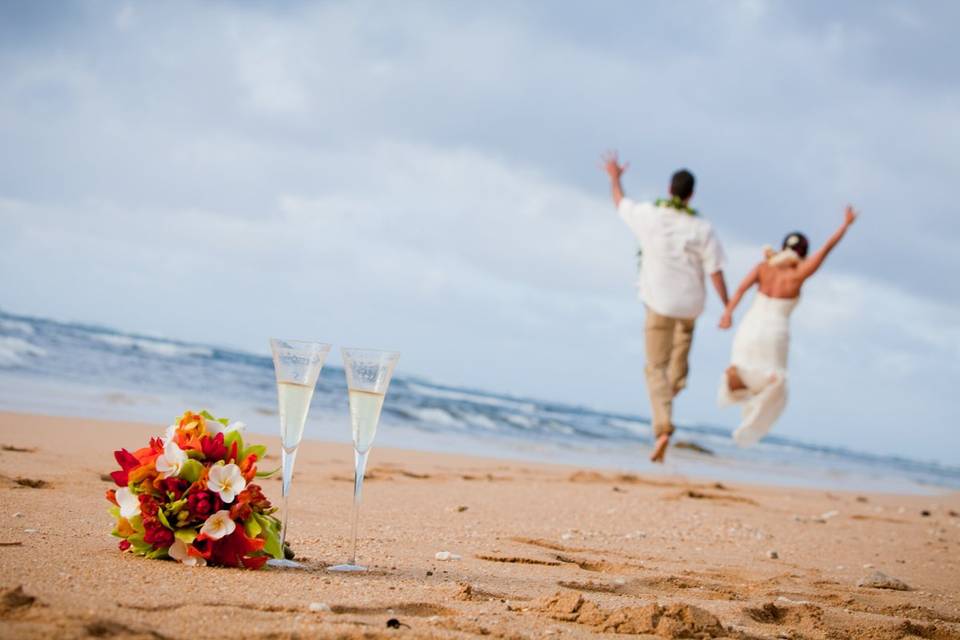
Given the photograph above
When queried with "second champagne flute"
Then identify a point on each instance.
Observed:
(368, 376)
(297, 365)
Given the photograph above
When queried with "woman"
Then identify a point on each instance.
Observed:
(757, 376)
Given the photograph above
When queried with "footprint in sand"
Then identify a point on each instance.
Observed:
(519, 560)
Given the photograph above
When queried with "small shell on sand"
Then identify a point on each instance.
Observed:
(880, 580)
(446, 555)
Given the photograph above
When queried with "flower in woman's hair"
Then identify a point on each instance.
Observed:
(218, 525)
(171, 460)
(213, 448)
(179, 551)
(129, 504)
(227, 481)
(201, 504)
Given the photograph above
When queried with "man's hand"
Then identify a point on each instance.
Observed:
(849, 216)
(614, 169)
(611, 164)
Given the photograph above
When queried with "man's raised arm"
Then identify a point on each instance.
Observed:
(614, 169)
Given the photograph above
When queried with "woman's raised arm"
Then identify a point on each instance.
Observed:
(809, 266)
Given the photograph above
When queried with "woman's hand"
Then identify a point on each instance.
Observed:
(726, 320)
(849, 216)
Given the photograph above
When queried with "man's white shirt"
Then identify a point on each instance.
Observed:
(678, 249)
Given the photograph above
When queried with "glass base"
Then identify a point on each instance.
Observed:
(285, 564)
(346, 568)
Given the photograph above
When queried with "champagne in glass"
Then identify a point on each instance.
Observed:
(368, 376)
(297, 365)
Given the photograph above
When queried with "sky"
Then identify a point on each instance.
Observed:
(424, 176)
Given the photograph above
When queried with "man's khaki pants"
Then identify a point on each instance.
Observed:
(668, 345)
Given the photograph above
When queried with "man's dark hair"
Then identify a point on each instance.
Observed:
(798, 242)
(681, 184)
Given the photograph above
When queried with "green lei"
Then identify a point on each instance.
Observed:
(675, 203)
(672, 203)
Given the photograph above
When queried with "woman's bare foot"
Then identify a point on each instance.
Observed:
(734, 381)
(660, 449)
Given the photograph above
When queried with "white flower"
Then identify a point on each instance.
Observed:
(129, 503)
(227, 481)
(171, 460)
(214, 427)
(169, 434)
(218, 525)
(178, 551)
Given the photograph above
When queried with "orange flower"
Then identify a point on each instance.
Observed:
(192, 424)
(249, 467)
(124, 528)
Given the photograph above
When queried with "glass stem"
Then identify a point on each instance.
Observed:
(287, 459)
(360, 466)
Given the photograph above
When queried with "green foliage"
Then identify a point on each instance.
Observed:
(270, 534)
(191, 470)
(186, 536)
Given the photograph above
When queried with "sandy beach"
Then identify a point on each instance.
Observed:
(545, 551)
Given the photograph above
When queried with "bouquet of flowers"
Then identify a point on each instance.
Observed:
(190, 496)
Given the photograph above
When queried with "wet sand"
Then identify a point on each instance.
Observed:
(546, 551)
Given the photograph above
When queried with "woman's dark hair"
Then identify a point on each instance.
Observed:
(681, 184)
(798, 242)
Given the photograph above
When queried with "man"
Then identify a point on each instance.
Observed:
(678, 247)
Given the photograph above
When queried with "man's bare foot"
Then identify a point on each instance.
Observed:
(660, 449)
(734, 381)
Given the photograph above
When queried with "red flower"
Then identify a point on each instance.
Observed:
(148, 506)
(234, 550)
(157, 534)
(127, 461)
(176, 486)
(112, 496)
(201, 504)
(213, 448)
(124, 545)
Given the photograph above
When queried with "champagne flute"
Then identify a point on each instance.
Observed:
(297, 365)
(368, 375)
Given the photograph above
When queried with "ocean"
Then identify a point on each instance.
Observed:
(70, 369)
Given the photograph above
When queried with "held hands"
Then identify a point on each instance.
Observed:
(726, 320)
(611, 164)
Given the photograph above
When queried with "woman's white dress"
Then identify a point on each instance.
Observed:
(760, 354)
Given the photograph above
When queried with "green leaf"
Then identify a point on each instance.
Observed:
(157, 553)
(257, 449)
(267, 474)
(191, 470)
(186, 536)
(252, 527)
(230, 438)
(193, 454)
(175, 507)
(206, 414)
(163, 519)
(270, 535)
(114, 511)
(137, 523)
(224, 421)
